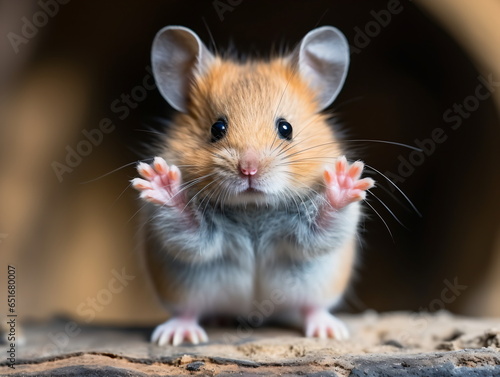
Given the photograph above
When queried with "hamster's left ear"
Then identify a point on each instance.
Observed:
(322, 59)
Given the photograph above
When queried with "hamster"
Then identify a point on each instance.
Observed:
(250, 199)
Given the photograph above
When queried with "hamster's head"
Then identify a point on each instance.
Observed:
(250, 132)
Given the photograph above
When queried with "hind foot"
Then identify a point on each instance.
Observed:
(319, 323)
(177, 330)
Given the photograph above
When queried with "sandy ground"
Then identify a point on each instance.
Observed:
(380, 345)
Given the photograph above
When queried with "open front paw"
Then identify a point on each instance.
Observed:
(161, 183)
(344, 185)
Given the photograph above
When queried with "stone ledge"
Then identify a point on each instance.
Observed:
(390, 344)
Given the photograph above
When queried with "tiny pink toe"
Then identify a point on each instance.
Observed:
(141, 184)
(155, 337)
(178, 336)
(164, 339)
(321, 324)
(340, 165)
(162, 334)
(175, 178)
(160, 166)
(174, 173)
(357, 196)
(202, 335)
(329, 177)
(330, 333)
(355, 170)
(364, 184)
(192, 336)
(145, 170)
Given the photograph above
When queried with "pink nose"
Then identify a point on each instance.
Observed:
(249, 163)
(248, 171)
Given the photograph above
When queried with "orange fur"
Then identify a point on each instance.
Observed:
(341, 279)
(252, 96)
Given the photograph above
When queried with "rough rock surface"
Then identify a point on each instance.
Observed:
(391, 344)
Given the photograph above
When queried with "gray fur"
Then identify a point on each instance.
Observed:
(242, 254)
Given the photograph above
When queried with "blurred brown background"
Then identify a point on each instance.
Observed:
(413, 63)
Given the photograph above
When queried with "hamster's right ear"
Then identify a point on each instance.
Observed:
(178, 56)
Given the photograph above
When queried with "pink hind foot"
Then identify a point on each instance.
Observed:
(177, 330)
(319, 323)
(344, 185)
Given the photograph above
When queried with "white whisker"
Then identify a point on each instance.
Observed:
(387, 208)
(387, 226)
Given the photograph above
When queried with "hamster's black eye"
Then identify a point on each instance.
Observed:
(218, 130)
(284, 129)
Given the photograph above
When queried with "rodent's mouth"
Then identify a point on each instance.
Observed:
(247, 190)
(251, 190)
(250, 185)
